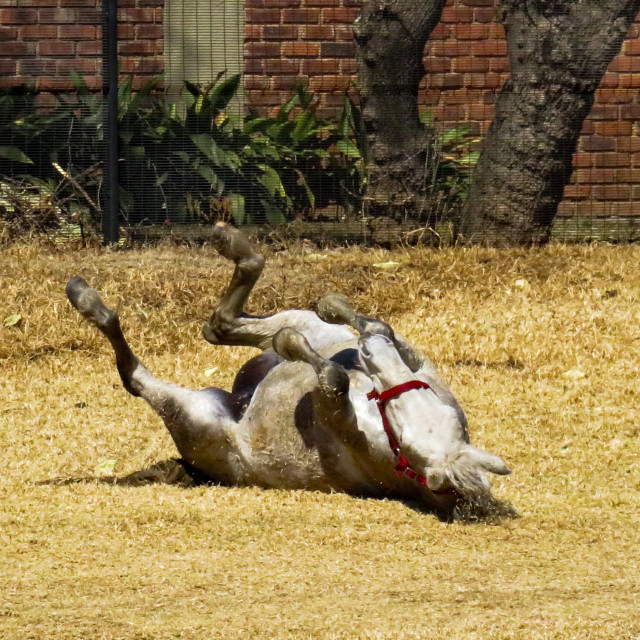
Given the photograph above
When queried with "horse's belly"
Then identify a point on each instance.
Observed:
(275, 436)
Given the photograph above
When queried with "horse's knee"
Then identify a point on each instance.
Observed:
(333, 380)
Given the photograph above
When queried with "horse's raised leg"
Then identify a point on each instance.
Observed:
(331, 397)
(196, 420)
(229, 325)
(335, 309)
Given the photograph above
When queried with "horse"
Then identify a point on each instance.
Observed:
(335, 402)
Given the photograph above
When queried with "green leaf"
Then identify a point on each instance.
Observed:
(257, 124)
(207, 145)
(14, 154)
(470, 160)
(455, 134)
(237, 208)
(106, 466)
(302, 181)
(13, 320)
(271, 180)
(287, 108)
(224, 93)
(304, 124)
(273, 213)
(208, 174)
(348, 148)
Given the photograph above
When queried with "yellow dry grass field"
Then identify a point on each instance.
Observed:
(541, 346)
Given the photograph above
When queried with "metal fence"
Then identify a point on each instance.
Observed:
(162, 117)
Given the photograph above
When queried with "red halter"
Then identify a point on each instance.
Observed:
(402, 465)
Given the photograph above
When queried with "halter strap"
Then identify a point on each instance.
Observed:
(402, 467)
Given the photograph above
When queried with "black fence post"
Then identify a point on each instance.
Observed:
(111, 203)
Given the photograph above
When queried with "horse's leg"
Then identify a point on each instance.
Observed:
(229, 325)
(331, 397)
(195, 419)
(335, 309)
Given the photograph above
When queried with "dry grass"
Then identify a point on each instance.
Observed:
(93, 560)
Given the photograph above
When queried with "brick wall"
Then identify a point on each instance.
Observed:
(290, 41)
(41, 41)
(310, 41)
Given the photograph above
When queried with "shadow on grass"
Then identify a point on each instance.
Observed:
(173, 472)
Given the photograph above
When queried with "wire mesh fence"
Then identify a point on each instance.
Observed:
(251, 112)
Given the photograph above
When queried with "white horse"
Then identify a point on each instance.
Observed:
(318, 409)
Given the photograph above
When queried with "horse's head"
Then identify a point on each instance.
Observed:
(429, 432)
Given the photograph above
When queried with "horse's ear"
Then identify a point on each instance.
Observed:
(488, 461)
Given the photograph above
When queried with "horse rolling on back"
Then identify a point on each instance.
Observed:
(336, 401)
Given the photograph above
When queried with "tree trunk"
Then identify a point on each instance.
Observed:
(558, 52)
(390, 36)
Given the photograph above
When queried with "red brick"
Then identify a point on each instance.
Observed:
(56, 16)
(282, 67)
(322, 3)
(631, 47)
(253, 65)
(329, 83)
(438, 65)
(10, 33)
(88, 16)
(136, 15)
(609, 111)
(582, 160)
(301, 16)
(319, 67)
(476, 31)
(256, 82)
(625, 64)
(577, 192)
(338, 50)
(485, 14)
(127, 31)
(441, 32)
(7, 66)
(288, 82)
(18, 49)
(36, 67)
(445, 81)
(345, 15)
(611, 191)
(479, 3)
(317, 32)
(301, 49)
(38, 32)
(77, 3)
(612, 128)
(628, 145)
(77, 32)
(457, 14)
(92, 48)
(56, 48)
(595, 176)
(271, 4)
(280, 32)
(471, 65)
(18, 16)
(149, 65)
(491, 48)
(343, 33)
(610, 80)
(262, 49)
(149, 31)
(252, 32)
(84, 66)
(613, 160)
(499, 65)
(629, 80)
(136, 47)
(614, 96)
(598, 143)
(449, 48)
(263, 16)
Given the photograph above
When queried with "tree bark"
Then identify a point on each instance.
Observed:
(558, 52)
(390, 36)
